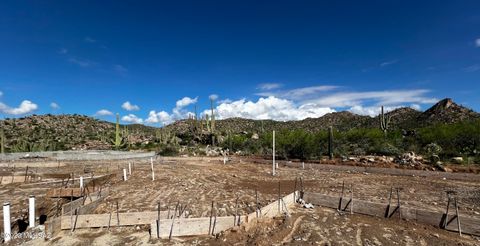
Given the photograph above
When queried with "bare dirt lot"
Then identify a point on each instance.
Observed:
(196, 182)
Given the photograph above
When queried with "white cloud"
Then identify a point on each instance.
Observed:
(103, 112)
(371, 110)
(477, 42)
(185, 102)
(178, 111)
(299, 93)
(54, 105)
(130, 107)
(416, 106)
(388, 98)
(227, 100)
(25, 107)
(375, 110)
(131, 118)
(268, 108)
(158, 117)
(269, 86)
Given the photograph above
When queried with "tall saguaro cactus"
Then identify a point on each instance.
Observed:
(330, 142)
(118, 140)
(208, 123)
(213, 114)
(384, 122)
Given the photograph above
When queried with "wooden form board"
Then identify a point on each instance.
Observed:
(82, 203)
(194, 226)
(182, 226)
(13, 179)
(104, 220)
(64, 192)
(201, 226)
(469, 224)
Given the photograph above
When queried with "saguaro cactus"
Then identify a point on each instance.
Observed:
(213, 114)
(330, 143)
(208, 123)
(118, 140)
(384, 122)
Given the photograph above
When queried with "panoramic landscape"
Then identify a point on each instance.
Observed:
(239, 123)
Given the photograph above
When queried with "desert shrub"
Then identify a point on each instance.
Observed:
(168, 150)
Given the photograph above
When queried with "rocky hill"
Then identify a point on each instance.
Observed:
(445, 111)
(62, 132)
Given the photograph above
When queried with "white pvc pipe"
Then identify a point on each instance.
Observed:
(81, 182)
(303, 165)
(6, 222)
(273, 154)
(31, 211)
(129, 168)
(124, 174)
(153, 173)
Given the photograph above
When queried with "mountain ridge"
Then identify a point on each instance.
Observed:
(52, 132)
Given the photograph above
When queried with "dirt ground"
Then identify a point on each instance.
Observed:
(196, 182)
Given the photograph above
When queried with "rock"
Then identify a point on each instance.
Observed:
(457, 160)
(255, 136)
(308, 205)
(448, 170)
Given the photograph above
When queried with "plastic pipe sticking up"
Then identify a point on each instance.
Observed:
(273, 154)
(124, 174)
(31, 211)
(7, 232)
(153, 173)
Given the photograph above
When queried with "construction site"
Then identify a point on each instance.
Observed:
(142, 198)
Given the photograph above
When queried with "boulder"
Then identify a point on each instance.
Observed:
(457, 160)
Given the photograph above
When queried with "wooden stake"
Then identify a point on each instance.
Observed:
(236, 213)
(211, 215)
(446, 214)
(458, 218)
(118, 217)
(26, 174)
(71, 208)
(173, 221)
(295, 190)
(279, 197)
(256, 202)
(341, 197)
(351, 198)
(158, 221)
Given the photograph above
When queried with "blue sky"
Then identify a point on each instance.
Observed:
(283, 60)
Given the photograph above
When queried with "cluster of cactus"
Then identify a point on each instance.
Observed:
(165, 137)
(384, 122)
(24, 145)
